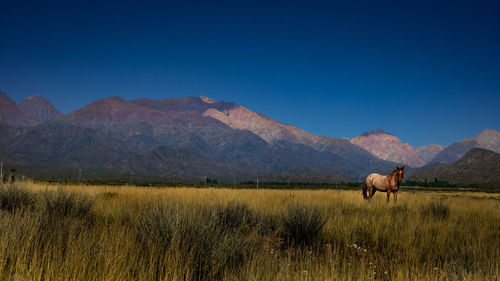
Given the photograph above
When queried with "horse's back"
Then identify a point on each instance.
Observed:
(376, 180)
(371, 177)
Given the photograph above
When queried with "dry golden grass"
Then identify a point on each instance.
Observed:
(132, 233)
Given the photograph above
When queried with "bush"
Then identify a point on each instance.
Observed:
(156, 225)
(13, 197)
(301, 225)
(268, 224)
(437, 210)
(212, 250)
(232, 216)
(62, 203)
(204, 239)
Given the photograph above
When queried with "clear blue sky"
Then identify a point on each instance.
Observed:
(428, 72)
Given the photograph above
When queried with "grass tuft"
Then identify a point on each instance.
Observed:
(436, 210)
(233, 215)
(61, 203)
(301, 224)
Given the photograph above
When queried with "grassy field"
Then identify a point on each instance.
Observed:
(71, 232)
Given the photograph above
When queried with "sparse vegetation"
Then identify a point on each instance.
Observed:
(436, 210)
(80, 232)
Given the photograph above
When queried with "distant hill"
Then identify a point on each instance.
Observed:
(477, 167)
(488, 139)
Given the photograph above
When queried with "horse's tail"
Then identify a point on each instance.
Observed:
(365, 188)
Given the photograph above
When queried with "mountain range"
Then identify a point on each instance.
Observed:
(195, 137)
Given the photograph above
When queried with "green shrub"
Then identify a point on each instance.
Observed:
(301, 225)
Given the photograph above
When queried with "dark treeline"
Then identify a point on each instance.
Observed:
(434, 183)
(213, 183)
(210, 182)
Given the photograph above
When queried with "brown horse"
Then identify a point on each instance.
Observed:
(389, 183)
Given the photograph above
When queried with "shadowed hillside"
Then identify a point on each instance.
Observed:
(488, 139)
(477, 167)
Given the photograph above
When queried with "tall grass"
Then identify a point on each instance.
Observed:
(301, 224)
(123, 233)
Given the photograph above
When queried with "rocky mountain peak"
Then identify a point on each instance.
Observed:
(489, 139)
(375, 132)
(388, 147)
(38, 109)
(207, 99)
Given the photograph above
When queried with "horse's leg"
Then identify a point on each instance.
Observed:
(388, 194)
(365, 188)
(395, 196)
(370, 191)
(373, 192)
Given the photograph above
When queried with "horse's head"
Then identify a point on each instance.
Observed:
(399, 173)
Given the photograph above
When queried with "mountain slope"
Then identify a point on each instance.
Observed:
(388, 147)
(10, 113)
(60, 151)
(309, 175)
(478, 166)
(267, 128)
(428, 152)
(63, 146)
(234, 116)
(148, 127)
(364, 160)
